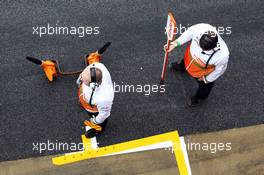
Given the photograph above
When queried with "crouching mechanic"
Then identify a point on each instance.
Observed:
(205, 58)
(96, 95)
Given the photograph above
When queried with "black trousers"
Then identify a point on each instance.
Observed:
(203, 90)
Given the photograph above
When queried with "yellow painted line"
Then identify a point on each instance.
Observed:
(86, 142)
(185, 154)
(117, 148)
(179, 156)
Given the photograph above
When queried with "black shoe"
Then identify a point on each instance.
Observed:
(178, 66)
(91, 129)
(193, 101)
(91, 133)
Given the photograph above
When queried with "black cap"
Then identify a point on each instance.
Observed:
(208, 40)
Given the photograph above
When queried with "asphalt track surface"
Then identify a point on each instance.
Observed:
(34, 110)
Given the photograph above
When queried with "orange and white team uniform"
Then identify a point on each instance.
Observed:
(195, 59)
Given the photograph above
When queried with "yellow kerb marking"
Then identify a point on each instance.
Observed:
(117, 148)
(87, 144)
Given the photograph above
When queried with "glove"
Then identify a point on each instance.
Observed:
(93, 119)
(79, 81)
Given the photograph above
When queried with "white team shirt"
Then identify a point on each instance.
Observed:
(103, 95)
(219, 59)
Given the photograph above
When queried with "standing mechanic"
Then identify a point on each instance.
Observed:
(96, 94)
(205, 59)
